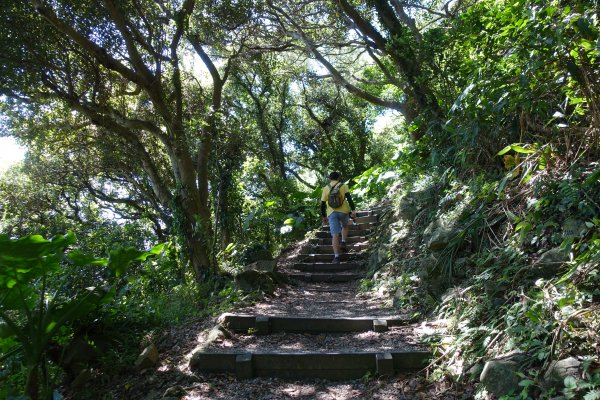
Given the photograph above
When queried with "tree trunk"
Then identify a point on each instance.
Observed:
(32, 385)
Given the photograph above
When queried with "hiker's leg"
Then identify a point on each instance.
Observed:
(345, 226)
(336, 244)
(335, 227)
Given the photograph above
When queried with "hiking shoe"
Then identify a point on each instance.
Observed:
(344, 247)
(336, 260)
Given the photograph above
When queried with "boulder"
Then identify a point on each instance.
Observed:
(439, 239)
(559, 370)
(499, 375)
(474, 372)
(251, 280)
(256, 253)
(423, 197)
(407, 209)
(437, 235)
(148, 358)
(429, 268)
(262, 265)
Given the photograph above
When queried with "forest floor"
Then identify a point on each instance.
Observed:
(173, 379)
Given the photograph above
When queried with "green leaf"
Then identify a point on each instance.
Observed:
(592, 395)
(120, 259)
(504, 150)
(524, 225)
(520, 149)
(289, 221)
(79, 258)
(502, 185)
(570, 382)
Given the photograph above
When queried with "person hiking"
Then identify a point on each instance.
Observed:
(336, 207)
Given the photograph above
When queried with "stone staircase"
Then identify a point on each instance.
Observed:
(317, 328)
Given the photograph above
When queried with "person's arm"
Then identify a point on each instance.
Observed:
(324, 212)
(351, 204)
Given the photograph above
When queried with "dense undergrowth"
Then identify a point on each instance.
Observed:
(504, 263)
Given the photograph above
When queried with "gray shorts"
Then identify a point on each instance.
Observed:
(337, 221)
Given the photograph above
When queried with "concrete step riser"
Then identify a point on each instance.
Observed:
(352, 227)
(333, 366)
(327, 267)
(263, 325)
(326, 258)
(366, 219)
(349, 240)
(328, 249)
(351, 234)
(325, 277)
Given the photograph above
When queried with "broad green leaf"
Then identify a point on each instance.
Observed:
(520, 149)
(289, 221)
(81, 259)
(504, 150)
(120, 259)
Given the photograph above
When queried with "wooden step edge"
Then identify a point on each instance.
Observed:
(325, 277)
(339, 365)
(327, 266)
(264, 325)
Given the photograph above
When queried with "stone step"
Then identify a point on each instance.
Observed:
(263, 325)
(332, 365)
(366, 213)
(327, 266)
(353, 227)
(312, 258)
(328, 248)
(325, 277)
(349, 240)
(351, 233)
(366, 218)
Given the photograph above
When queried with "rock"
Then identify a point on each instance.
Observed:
(400, 298)
(148, 358)
(499, 376)
(217, 334)
(256, 253)
(439, 239)
(429, 268)
(475, 371)
(559, 370)
(423, 197)
(252, 280)
(262, 265)
(407, 210)
(437, 235)
(175, 392)
(549, 263)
